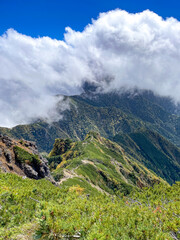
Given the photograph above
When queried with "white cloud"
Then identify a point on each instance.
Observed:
(133, 50)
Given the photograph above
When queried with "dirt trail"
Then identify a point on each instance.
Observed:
(71, 174)
(67, 175)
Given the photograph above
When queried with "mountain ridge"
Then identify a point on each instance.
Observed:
(108, 114)
(98, 162)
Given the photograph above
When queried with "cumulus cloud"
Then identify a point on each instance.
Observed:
(117, 50)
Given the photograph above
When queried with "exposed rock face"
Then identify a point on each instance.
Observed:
(7, 154)
(30, 172)
(8, 141)
(22, 157)
(1, 152)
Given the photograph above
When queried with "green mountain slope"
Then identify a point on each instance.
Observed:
(154, 151)
(108, 114)
(100, 163)
(155, 113)
(77, 122)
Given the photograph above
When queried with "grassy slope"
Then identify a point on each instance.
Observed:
(101, 163)
(31, 209)
(154, 151)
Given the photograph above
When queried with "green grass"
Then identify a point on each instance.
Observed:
(104, 164)
(31, 209)
(22, 156)
(88, 189)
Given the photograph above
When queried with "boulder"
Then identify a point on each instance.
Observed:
(7, 141)
(30, 172)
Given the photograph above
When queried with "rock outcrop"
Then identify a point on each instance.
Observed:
(22, 157)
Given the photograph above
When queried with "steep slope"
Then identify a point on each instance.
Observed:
(153, 112)
(22, 157)
(98, 162)
(108, 114)
(154, 151)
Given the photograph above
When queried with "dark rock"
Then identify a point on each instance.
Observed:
(88, 195)
(8, 156)
(30, 144)
(36, 168)
(1, 152)
(30, 172)
(7, 141)
(10, 167)
(42, 171)
(44, 160)
(34, 151)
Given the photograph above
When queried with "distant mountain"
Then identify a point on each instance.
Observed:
(108, 114)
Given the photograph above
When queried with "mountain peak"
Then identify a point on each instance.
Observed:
(89, 87)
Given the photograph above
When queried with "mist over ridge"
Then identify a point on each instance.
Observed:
(118, 50)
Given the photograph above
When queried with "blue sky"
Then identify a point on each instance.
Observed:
(129, 50)
(50, 17)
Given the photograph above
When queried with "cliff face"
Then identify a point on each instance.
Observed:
(22, 157)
